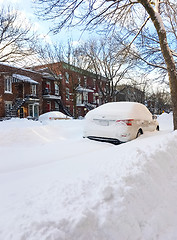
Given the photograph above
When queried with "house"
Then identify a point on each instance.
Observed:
(129, 93)
(78, 88)
(55, 87)
(20, 92)
(51, 99)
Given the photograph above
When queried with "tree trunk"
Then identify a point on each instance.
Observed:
(171, 68)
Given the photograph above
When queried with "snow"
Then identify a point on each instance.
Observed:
(81, 89)
(53, 115)
(55, 185)
(24, 78)
(51, 97)
(121, 110)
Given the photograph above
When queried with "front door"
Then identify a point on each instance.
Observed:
(36, 111)
(48, 107)
(21, 113)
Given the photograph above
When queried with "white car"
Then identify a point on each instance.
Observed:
(118, 122)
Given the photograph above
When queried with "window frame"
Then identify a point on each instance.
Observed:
(85, 97)
(33, 89)
(8, 84)
(67, 94)
(78, 99)
(48, 86)
(57, 106)
(8, 106)
(67, 77)
(56, 89)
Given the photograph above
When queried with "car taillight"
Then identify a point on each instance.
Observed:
(128, 122)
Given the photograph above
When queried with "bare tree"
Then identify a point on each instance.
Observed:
(107, 58)
(122, 13)
(159, 101)
(55, 59)
(16, 38)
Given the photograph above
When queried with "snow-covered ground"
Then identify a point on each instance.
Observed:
(55, 185)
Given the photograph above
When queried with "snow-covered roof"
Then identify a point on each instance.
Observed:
(82, 89)
(52, 97)
(24, 78)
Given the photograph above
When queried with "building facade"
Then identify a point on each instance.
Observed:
(20, 92)
(77, 88)
(55, 87)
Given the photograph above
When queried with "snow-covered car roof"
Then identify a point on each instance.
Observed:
(122, 110)
(53, 115)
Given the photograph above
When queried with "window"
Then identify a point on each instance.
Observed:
(56, 106)
(33, 89)
(79, 81)
(94, 83)
(48, 109)
(33, 110)
(56, 89)
(8, 106)
(60, 76)
(85, 81)
(67, 77)
(94, 98)
(85, 96)
(67, 93)
(47, 87)
(79, 99)
(8, 84)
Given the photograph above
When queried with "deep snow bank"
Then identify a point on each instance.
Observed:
(165, 121)
(107, 192)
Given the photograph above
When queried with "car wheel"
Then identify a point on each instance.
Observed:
(157, 128)
(139, 133)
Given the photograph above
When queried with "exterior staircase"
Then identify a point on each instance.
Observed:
(14, 110)
(89, 106)
(63, 108)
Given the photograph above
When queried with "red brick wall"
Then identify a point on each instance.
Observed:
(9, 70)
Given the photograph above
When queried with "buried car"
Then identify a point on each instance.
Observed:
(53, 115)
(118, 122)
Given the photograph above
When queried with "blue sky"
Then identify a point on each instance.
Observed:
(26, 7)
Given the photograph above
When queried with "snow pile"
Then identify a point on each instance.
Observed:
(120, 110)
(87, 190)
(166, 121)
(54, 115)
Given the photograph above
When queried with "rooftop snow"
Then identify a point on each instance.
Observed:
(52, 97)
(24, 78)
(81, 89)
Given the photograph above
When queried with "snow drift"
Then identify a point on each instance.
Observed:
(86, 189)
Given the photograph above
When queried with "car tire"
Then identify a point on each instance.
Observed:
(157, 128)
(139, 133)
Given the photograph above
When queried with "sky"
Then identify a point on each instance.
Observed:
(27, 9)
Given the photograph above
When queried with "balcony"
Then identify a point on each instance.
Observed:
(46, 91)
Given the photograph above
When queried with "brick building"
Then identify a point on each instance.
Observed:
(55, 87)
(20, 92)
(78, 88)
